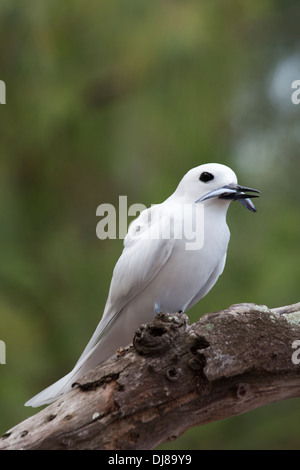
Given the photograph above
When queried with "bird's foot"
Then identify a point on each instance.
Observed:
(157, 308)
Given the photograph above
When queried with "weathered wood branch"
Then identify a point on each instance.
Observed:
(175, 376)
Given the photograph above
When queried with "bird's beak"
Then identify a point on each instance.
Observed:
(233, 192)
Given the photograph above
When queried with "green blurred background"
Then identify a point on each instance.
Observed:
(113, 97)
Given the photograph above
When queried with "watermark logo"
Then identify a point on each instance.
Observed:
(180, 222)
(296, 354)
(2, 352)
(296, 94)
(2, 92)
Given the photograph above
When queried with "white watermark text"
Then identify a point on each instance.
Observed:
(296, 94)
(2, 352)
(180, 222)
(2, 92)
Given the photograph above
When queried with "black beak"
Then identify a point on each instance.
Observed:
(234, 192)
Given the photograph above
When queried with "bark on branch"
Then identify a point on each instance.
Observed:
(174, 377)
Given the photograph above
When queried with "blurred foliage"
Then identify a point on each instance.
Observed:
(117, 98)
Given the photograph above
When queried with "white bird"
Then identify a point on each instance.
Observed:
(158, 273)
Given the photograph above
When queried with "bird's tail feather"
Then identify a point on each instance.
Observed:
(53, 392)
(64, 385)
(93, 355)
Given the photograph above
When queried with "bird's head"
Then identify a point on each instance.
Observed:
(213, 181)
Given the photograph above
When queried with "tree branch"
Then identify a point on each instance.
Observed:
(174, 377)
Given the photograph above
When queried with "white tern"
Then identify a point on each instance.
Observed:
(158, 270)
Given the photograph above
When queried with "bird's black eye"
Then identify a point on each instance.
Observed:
(205, 177)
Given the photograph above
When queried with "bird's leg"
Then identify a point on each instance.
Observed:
(157, 308)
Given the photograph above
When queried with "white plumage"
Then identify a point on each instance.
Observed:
(161, 274)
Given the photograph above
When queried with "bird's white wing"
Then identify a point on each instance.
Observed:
(141, 260)
(215, 274)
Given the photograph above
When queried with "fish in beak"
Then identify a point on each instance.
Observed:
(233, 192)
